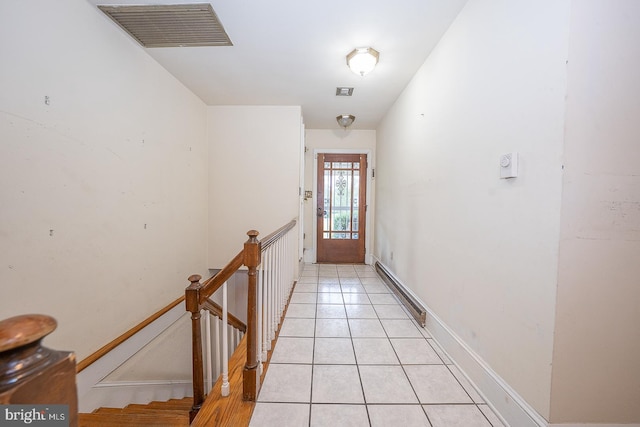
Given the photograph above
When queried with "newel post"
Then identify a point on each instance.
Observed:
(251, 377)
(192, 300)
(31, 374)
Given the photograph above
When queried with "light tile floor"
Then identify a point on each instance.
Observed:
(349, 355)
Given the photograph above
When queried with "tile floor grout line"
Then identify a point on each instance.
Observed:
(313, 354)
(407, 376)
(441, 356)
(473, 402)
(355, 357)
(460, 383)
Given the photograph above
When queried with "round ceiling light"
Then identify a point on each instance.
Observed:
(345, 120)
(362, 60)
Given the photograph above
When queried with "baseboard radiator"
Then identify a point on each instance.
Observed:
(416, 308)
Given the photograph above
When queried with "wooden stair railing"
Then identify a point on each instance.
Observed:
(215, 309)
(102, 351)
(31, 374)
(196, 297)
(151, 414)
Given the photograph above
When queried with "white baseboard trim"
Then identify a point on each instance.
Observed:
(94, 373)
(510, 407)
(594, 425)
(309, 256)
(369, 259)
(497, 393)
(118, 394)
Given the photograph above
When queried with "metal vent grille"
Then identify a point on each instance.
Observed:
(170, 25)
(344, 91)
(414, 306)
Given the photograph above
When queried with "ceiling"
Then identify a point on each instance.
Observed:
(292, 52)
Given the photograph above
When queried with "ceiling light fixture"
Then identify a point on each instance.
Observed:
(345, 120)
(362, 60)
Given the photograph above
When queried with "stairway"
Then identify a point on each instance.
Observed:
(172, 413)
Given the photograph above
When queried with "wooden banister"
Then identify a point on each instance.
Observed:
(197, 298)
(216, 310)
(271, 238)
(211, 285)
(87, 361)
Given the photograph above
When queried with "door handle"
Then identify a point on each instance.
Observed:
(321, 212)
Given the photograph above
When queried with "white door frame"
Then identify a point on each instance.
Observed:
(368, 259)
(301, 218)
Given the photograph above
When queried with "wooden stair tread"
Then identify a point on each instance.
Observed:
(188, 401)
(140, 410)
(106, 410)
(172, 413)
(178, 404)
(132, 419)
(156, 407)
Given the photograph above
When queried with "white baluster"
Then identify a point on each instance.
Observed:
(285, 271)
(207, 350)
(274, 293)
(285, 283)
(225, 344)
(261, 355)
(287, 261)
(290, 260)
(293, 260)
(215, 368)
(276, 271)
(269, 290)
(280, 276)
(264, 310)
(276, 286)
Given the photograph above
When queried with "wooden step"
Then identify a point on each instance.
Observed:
(178, 404)
(140, 410)
(127, 419)
(107, 411)
(136, 408)
(187, 401)
(172, 413)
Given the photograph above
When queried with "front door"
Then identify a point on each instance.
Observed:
(341, 207)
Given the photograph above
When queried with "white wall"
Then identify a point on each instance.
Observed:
(103, 191)
(596, 377)
(164, 358)
(482, 252)
(339, 139)
(254, 174)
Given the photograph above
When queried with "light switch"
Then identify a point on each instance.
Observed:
(509, 165)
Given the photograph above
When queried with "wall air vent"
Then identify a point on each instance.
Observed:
(179, 25)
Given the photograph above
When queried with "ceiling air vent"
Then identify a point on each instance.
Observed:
(170, 25)
(344, 91)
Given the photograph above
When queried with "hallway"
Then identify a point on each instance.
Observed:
(349, 355)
